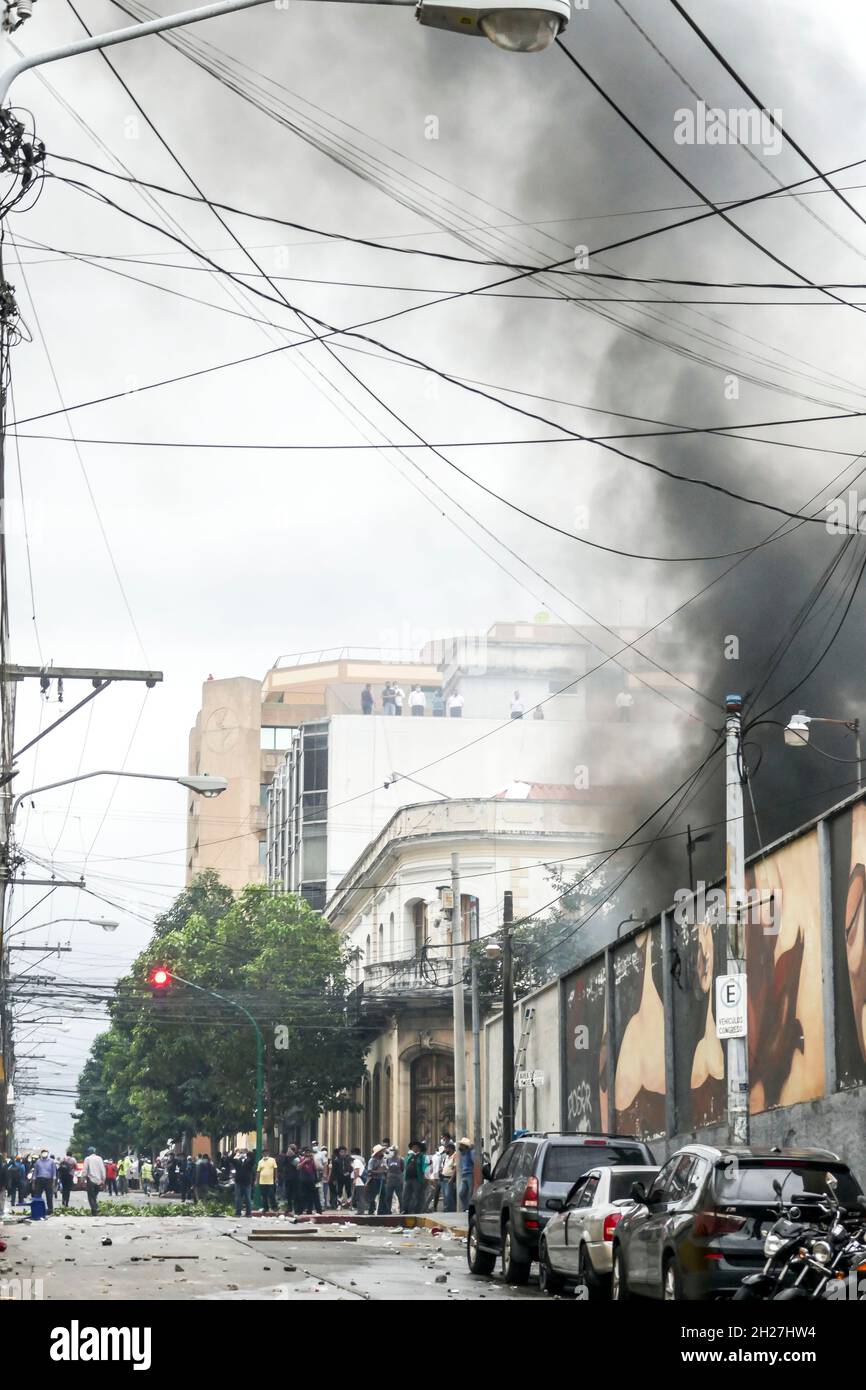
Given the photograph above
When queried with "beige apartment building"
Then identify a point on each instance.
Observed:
(242, 733)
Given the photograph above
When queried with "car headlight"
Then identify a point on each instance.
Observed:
(822, 1252)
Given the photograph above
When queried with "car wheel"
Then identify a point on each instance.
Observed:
(587, 1276)
(618, 1286)
(514, 1269)
(672, 1290)
(479, 1261)
(549, 1281)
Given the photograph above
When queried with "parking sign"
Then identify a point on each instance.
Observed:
(731, 1006)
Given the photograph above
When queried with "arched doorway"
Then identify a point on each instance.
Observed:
(367, 1143)
(432, 1090)
(387, 1102)
(376, 1119)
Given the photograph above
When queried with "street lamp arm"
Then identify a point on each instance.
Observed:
(85, 776)
(138, 31)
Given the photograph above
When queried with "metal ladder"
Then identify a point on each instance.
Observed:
(523, 1044)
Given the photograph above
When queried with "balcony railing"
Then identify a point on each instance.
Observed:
(395, 976)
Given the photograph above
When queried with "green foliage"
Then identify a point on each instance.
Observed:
(183, 1061)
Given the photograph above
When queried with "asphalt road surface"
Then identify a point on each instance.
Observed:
(177, 1257)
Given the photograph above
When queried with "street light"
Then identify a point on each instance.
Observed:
(510, 24)
(203, 785)
(797, 734)
(107, 924)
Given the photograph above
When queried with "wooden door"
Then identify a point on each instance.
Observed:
(432, 1098)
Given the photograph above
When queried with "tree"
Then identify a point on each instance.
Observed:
(181, 1060)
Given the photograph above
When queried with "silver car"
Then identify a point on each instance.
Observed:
(576, 1244)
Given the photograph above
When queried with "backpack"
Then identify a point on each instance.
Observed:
(412, 1174)
(307, 1166)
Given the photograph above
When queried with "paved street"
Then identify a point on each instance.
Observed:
(176, 1257)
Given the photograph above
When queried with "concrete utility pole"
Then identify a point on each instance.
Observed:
(477, 1131)
(737, 1047)
(460, 1117)
(507, 1021)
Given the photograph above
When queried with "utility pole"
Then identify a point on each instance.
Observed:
(507, 1020)
(737, 1047)
(460, 1118)
(100, 678)
(477, 1131)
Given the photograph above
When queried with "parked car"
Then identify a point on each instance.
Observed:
(508, 1211)
(577, 1243)
(699, 1229)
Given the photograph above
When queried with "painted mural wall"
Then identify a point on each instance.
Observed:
(783, 963)
(848, 857)
(586, 1048)
(639, 1098)
(697, 959)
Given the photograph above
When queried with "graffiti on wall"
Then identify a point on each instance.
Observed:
(783, 964)
(586, 1050)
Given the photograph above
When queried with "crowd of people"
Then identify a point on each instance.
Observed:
(393, 699)
(301, 1180)
(307, 1180)
(36, 1175)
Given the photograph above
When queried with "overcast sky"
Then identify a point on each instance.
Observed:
(198, 560)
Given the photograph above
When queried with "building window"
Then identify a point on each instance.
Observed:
(314, 806)
(315, 894)
(468, 916)
(381, 953)
(276, 738)
(264, 791)
(419, 925)
(263, 852)
(315, 762)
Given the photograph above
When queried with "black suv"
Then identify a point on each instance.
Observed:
(509, 1210)
(700, 1228)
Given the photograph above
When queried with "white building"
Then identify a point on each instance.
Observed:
(395, 911)
(336, 787)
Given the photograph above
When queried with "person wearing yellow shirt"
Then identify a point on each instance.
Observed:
(266, 1175)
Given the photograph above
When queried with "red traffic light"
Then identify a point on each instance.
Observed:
(159, 977)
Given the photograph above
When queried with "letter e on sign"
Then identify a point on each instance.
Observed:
(731, 1006)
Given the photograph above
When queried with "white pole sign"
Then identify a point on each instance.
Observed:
(731, 1013)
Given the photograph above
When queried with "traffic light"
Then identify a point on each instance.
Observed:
(159, 977)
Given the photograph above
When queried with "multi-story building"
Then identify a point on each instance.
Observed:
(302, 730)
(397, 912)
(242, 732)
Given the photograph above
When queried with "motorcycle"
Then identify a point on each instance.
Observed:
(807, 1259)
